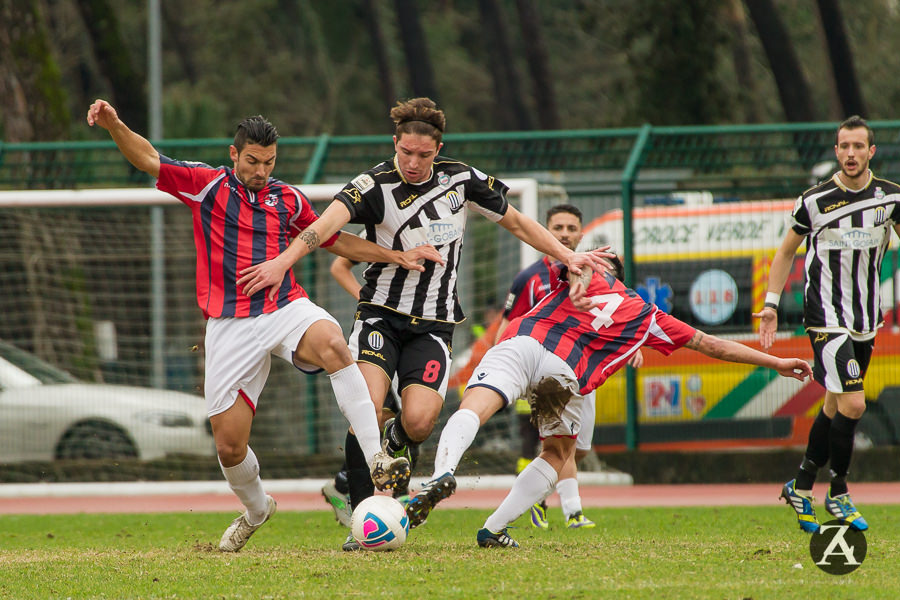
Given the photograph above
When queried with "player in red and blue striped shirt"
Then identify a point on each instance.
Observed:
(567, 346)
(243, 217)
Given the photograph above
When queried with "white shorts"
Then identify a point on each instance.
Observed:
(514, 366)
(588, 416)
(239, 351)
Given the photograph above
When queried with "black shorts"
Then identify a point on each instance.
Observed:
(417, 350)
(840, 362)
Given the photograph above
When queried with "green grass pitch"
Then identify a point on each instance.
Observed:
(659, 553)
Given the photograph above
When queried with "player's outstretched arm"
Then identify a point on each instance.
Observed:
(357, 249)
(135, 148)
(778, 274)
(715, 347)
(538, 237)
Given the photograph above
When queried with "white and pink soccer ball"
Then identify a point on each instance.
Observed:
(379, 523)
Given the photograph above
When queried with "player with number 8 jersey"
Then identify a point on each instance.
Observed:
(405, 319)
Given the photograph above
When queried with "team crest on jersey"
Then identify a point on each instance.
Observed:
(354, 194)
(879, 193)
(443, 180)
(880, 215)
(853, 369)
(363, 183)
(375, 340)
(271, 200)
(454, 200)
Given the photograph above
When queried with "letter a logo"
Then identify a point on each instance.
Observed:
(837, 549)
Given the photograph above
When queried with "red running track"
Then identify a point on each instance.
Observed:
(591, 497)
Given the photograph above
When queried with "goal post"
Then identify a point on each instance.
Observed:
(80, 284)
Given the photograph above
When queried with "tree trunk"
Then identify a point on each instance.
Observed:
(180, 40)
(509, 107)
(32, 95)
(415, 48)
(845, 79)
(128, 89)
(379, 52)
(747, 88)
(538, 65)
(793, 89)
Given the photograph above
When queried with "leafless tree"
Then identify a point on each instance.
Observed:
(793, 89)
(538, 64)
(510, 107)
(415, 47)
(842, 65)
(114, 59)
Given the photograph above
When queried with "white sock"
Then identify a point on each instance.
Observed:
(532, 485)
(457, 436)
(353, 399)
(244, 481)
(568, 496)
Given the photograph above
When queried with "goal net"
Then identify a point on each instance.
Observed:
(99, 283)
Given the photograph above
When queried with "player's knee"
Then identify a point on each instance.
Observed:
(554, 453)
(853, 408)
(418, 429)
(334, 354)
(230, 452)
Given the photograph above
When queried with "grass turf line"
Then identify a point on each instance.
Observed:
(720, 552)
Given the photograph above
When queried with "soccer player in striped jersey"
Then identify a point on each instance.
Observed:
(405, 318)
(565, 347)
(846, 222)
(243, 216)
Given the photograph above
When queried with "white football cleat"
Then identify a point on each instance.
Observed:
(240, 530)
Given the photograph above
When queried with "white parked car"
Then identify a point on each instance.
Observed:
(47, 414)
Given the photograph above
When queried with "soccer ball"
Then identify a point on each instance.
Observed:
(379, 523)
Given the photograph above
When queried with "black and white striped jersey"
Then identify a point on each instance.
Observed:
(402, 215)
(847, 233)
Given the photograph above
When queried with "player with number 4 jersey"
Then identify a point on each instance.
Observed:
(597, 342)
(566, 346)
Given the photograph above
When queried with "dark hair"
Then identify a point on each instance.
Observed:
(419, 116)
(857, 122)
(563, 208)
(255, 130)
(619, 271)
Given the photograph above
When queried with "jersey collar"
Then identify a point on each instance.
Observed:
(837, 180)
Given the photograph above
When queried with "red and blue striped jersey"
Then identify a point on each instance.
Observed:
(598, 342)
(528, 288)
(235, 228)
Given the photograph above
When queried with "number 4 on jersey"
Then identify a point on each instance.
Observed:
(603, 315)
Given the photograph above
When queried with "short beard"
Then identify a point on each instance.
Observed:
(249, 186)
(863, 168)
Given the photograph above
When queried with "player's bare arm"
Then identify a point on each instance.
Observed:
(538, 237)
(357, 249)
(135, 148)
(778, 274)
(728, 350)
(270, 273)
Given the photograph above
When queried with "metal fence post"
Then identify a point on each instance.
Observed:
(629, 175)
